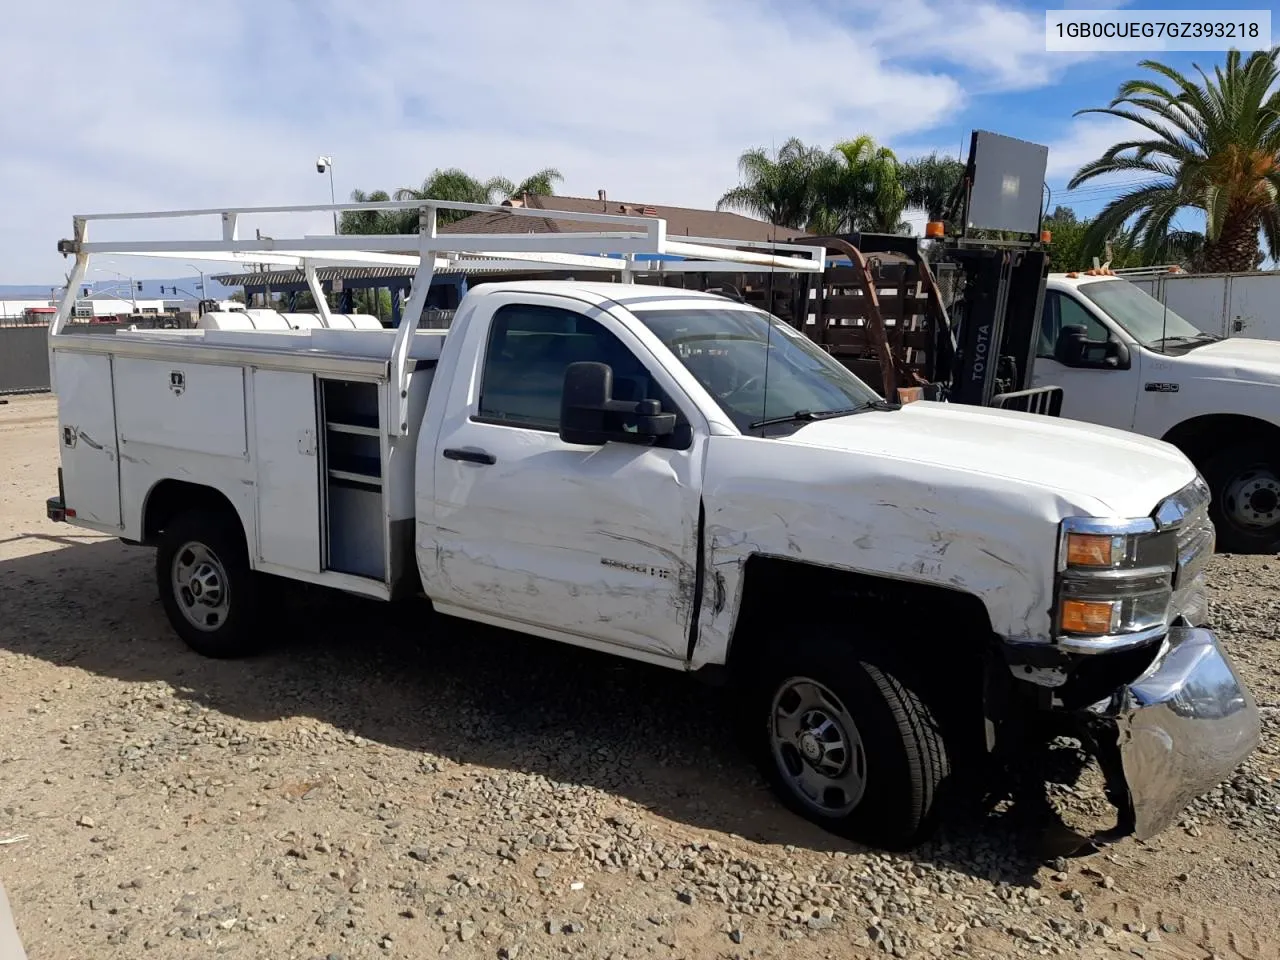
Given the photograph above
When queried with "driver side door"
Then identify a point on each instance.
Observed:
(593, 544)
(1095, 394)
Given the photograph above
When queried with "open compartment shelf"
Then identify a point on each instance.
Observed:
(356, 528)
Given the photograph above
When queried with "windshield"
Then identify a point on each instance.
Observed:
(725, 349)
(1143, 317)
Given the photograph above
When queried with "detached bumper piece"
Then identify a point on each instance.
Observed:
(1177, 731)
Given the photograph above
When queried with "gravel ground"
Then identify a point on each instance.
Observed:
(388, 784)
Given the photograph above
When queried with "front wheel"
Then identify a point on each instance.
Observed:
(1244, 483)
(851, 746)
(206, 586)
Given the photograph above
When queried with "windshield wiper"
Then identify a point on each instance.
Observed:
(1189, 338)
(804, 416)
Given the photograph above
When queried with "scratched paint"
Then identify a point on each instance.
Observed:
(972, 518)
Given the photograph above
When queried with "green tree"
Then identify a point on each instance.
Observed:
(1214, 147)
(1066, 246)
(782, 189)
(1068, 251)
(451, 184)
(930, 182)
(860, 185)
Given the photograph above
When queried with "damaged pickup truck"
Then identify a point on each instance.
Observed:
(681, 479)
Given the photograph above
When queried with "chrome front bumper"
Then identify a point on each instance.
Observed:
(1180, 729)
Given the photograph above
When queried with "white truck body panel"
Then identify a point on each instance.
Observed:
(1224, 304)
(286, 449)
(202, 412)
(87, 426)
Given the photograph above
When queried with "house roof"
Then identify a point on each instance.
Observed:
(681, 221)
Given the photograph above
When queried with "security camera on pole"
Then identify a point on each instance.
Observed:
(324, 163)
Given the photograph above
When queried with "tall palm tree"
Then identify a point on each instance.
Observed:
(860, 184)
(782, 189)
(930, 182)
(1215, 147)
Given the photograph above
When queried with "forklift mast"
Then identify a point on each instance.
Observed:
(997, 320)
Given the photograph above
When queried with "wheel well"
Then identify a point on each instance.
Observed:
(1201, 437)
(942, 636)
(169, 498)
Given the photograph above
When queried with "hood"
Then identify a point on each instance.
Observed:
(1126, 473)
(1253, 361)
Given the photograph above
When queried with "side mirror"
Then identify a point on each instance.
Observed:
(1075, 349)
(1071, 345)
(589, 414)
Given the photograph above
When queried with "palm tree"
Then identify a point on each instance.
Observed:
(453, 185)
(930, 182)
(1215, 147)
(782, 189)
(365, 222)
(543, 184)
(860, 184)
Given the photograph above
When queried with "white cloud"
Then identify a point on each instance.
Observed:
(139, 106)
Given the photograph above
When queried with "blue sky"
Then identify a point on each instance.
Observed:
(142, 105)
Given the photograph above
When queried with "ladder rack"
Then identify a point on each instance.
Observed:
(625, 244)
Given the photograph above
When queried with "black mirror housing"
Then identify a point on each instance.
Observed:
(1075, 349)
(589, 415)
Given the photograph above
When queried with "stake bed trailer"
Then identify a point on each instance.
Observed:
(681, 479)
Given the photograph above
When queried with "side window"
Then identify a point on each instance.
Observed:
(529, 348)
(1048, 325)
(1063, 311)
(1074, 315)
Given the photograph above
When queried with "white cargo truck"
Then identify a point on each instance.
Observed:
(674, 477)
(1125, 360)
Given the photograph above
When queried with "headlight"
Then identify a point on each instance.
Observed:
(1122, 583)
(1115, 583)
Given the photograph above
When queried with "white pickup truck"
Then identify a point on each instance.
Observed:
(1125, 360)
(685, 480)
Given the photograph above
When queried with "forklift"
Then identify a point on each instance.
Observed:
(966, 311)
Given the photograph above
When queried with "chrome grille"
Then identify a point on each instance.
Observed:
(1187, 514)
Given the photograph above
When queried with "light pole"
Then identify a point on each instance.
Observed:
(133, 291)
(204, 291)
(324, 163)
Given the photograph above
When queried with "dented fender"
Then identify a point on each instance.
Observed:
(992, 537)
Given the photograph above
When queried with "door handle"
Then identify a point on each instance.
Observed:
(469, 456)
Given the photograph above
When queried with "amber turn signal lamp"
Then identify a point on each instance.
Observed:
(1088, 616)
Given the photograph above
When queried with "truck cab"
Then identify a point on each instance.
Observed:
(1125, 360)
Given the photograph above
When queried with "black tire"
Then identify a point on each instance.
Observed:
(1249, 470)
(904, 759)
(208, 546)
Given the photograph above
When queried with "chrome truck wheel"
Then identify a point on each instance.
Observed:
(201, 586)
(1245, 504)
(848, 744)
(207, 589)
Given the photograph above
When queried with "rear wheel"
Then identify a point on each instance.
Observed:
(850, 745)
(208, 591)
(1244, 481)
